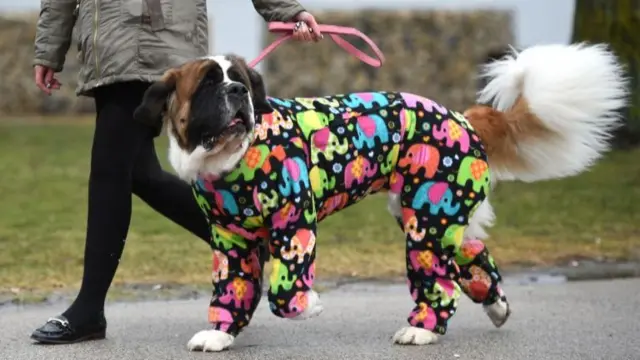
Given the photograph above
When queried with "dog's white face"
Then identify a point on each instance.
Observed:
(208, 107)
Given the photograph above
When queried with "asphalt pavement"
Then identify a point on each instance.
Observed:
(583, 320)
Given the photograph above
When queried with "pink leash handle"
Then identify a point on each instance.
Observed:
(332, 30)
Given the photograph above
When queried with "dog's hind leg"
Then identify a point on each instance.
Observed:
(434, 233)
(479, 275)
(480, 280)
(237, 288)
(293, 251)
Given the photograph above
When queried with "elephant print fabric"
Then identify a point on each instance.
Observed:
(315, 156)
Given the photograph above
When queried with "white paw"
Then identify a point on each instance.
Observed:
(411, 335)
(498, 312)
(314, 307)
(210, 340)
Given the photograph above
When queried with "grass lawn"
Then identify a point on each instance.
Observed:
(43, 188)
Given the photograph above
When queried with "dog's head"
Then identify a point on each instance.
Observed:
(209, 107)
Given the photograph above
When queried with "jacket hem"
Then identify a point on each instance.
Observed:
(86, 89)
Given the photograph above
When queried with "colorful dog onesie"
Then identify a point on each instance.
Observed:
(267, 170)
(314, 156)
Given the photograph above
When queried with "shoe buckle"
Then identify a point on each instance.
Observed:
(62, 322)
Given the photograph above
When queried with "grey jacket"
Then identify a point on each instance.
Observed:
(124, 40)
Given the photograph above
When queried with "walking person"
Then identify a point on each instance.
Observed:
(124, 47)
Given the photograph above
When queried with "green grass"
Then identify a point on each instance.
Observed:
(43, 188)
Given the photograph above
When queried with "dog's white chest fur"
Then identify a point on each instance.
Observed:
(190, 166)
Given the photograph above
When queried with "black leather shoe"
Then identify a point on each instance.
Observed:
(58, 330)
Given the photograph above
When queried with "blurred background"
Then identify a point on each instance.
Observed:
(433, 47)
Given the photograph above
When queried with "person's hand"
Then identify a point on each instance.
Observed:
(45, 79)
(307, 28)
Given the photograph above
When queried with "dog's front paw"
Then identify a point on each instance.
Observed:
(210, 340)
(313, 309)
(411, 335)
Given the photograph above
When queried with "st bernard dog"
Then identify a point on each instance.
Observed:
(267, 170)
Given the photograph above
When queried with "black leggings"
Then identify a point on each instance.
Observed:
(124, 162)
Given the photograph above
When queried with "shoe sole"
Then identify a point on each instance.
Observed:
(94, 336)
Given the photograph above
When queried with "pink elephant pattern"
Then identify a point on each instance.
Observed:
(239, 292)
(358, 171)
(452, 132)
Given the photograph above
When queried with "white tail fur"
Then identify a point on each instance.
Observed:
(574, 91)
(554, 110)
(482, 218)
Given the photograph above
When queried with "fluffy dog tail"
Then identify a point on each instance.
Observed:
(554, 108)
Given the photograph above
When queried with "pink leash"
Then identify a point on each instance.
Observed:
(334, 31)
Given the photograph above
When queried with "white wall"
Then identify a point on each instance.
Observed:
(236, 27)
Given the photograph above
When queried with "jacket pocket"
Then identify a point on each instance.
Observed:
(83, 41)
(181, 11)
(173, 44)
(180, 15)
(131, 12)
(177, 15)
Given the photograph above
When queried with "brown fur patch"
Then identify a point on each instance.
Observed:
(500, 132)
(186, 79)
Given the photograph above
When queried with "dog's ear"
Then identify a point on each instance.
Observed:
(258, 93)
(154, 100)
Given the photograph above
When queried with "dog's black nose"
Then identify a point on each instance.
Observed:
(237, 89)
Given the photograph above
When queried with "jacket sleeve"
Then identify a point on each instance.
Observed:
(53, 32)
(277, 10)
